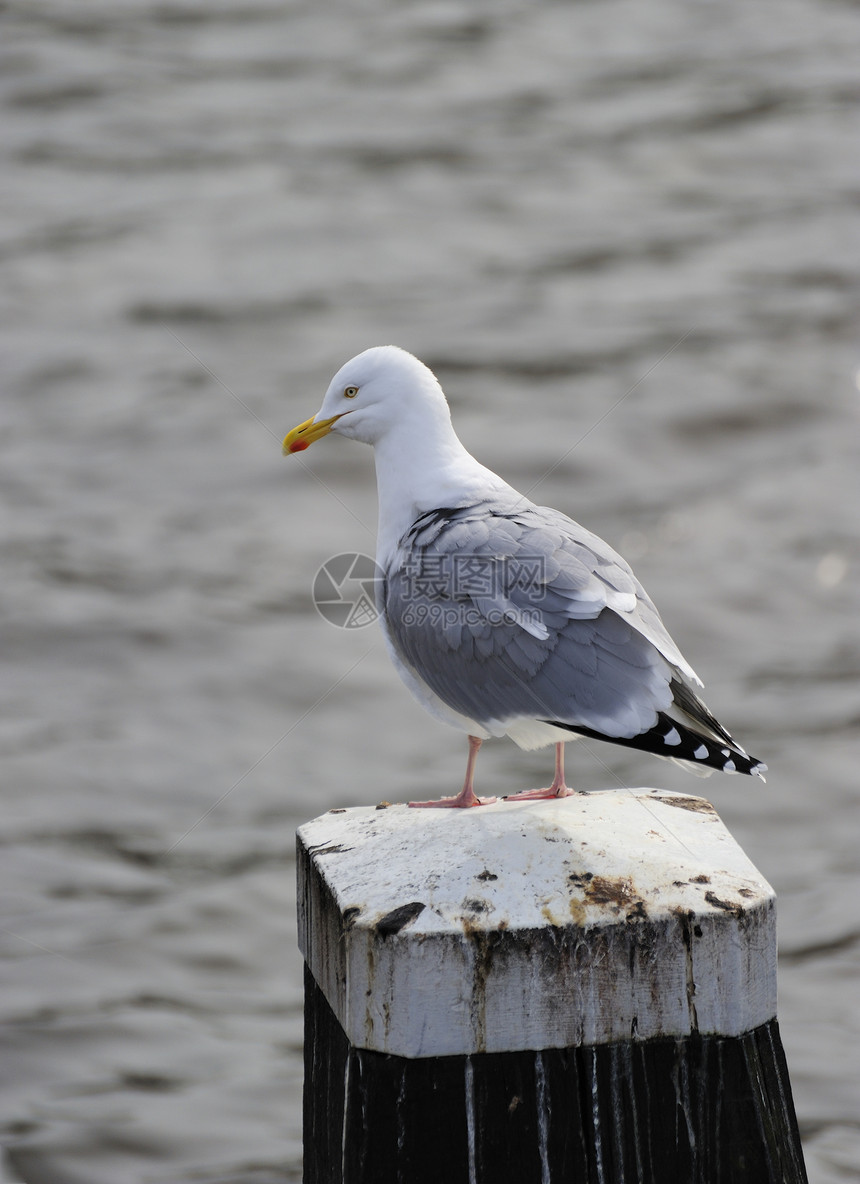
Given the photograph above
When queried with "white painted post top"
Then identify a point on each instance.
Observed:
(605, 916)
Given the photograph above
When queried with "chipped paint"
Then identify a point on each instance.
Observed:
(396, 919)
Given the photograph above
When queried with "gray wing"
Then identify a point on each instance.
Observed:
(509, 611)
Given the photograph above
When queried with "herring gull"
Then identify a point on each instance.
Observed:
(502, 617)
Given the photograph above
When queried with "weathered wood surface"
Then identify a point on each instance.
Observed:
(570, 992)
(616, 915)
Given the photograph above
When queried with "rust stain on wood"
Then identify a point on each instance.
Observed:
(696, 805)
(612, 890)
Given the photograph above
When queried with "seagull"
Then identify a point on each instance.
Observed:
(502, 617)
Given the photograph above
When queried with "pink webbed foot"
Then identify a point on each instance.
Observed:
(558, 789)
(540, 795)
(466, 797)
(460, 802)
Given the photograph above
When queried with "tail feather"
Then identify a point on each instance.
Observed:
(672, 739)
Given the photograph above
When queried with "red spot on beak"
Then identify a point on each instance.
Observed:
(298, 445)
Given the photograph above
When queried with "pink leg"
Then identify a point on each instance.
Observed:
(558, 789)
(466, 796)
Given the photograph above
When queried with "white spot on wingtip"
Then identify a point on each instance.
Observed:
(672, 737)
(700, 753)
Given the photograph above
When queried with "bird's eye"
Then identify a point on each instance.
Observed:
(350, 392)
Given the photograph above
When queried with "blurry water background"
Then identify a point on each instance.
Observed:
(207, 207)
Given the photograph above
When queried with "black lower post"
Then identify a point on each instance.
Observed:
(691, 1110)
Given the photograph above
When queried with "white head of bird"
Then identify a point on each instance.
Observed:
(388, 398)
(378, 392)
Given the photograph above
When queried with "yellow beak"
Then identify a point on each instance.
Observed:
(305, 434)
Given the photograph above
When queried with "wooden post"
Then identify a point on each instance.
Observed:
(571, 992)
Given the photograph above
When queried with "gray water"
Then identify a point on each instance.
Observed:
(626, 237)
